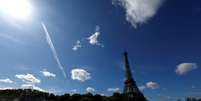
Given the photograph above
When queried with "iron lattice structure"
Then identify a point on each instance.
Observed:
(131, 90)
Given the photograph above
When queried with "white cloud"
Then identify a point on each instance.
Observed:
(28, 78)
(139, 11)
(31, 86)
(142, 87)
(6, 88)
(184, 68)
(113, 89)
(73, 91)
(90, 90)
(77, 45)
(7, 80)
(80, 74)
(152, 85)
(102, 94)
(93, 39)
(48, 74)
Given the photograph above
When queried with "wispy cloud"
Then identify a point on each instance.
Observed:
(113, 89)
(165, 98)
(152, 85)
(49, 41)
(10, 38)
(48, 74)
(142, 87)
(77, 45)
(184, 68)
(73, 91)
(90, 90)
(93, 39)
(139, 11)
(80, 75)
(28, 78)
(7, 80)
(31, 86)
(30, 82)
(6, 88)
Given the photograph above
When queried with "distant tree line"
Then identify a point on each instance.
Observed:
(34, 95)
(190, 99)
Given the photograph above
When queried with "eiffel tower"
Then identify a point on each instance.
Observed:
(131, 90)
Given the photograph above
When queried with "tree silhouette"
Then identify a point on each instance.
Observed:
(34, 95)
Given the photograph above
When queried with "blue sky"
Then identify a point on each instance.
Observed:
(89, 37)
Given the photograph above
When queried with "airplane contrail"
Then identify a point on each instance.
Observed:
(51, 45)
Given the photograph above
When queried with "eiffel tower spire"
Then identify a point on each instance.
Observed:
(131, 90)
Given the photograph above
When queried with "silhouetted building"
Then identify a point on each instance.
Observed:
(131, 90)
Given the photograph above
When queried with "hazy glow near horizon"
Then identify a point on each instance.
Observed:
(19, 9)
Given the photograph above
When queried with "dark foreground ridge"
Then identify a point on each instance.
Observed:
(34, 95)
